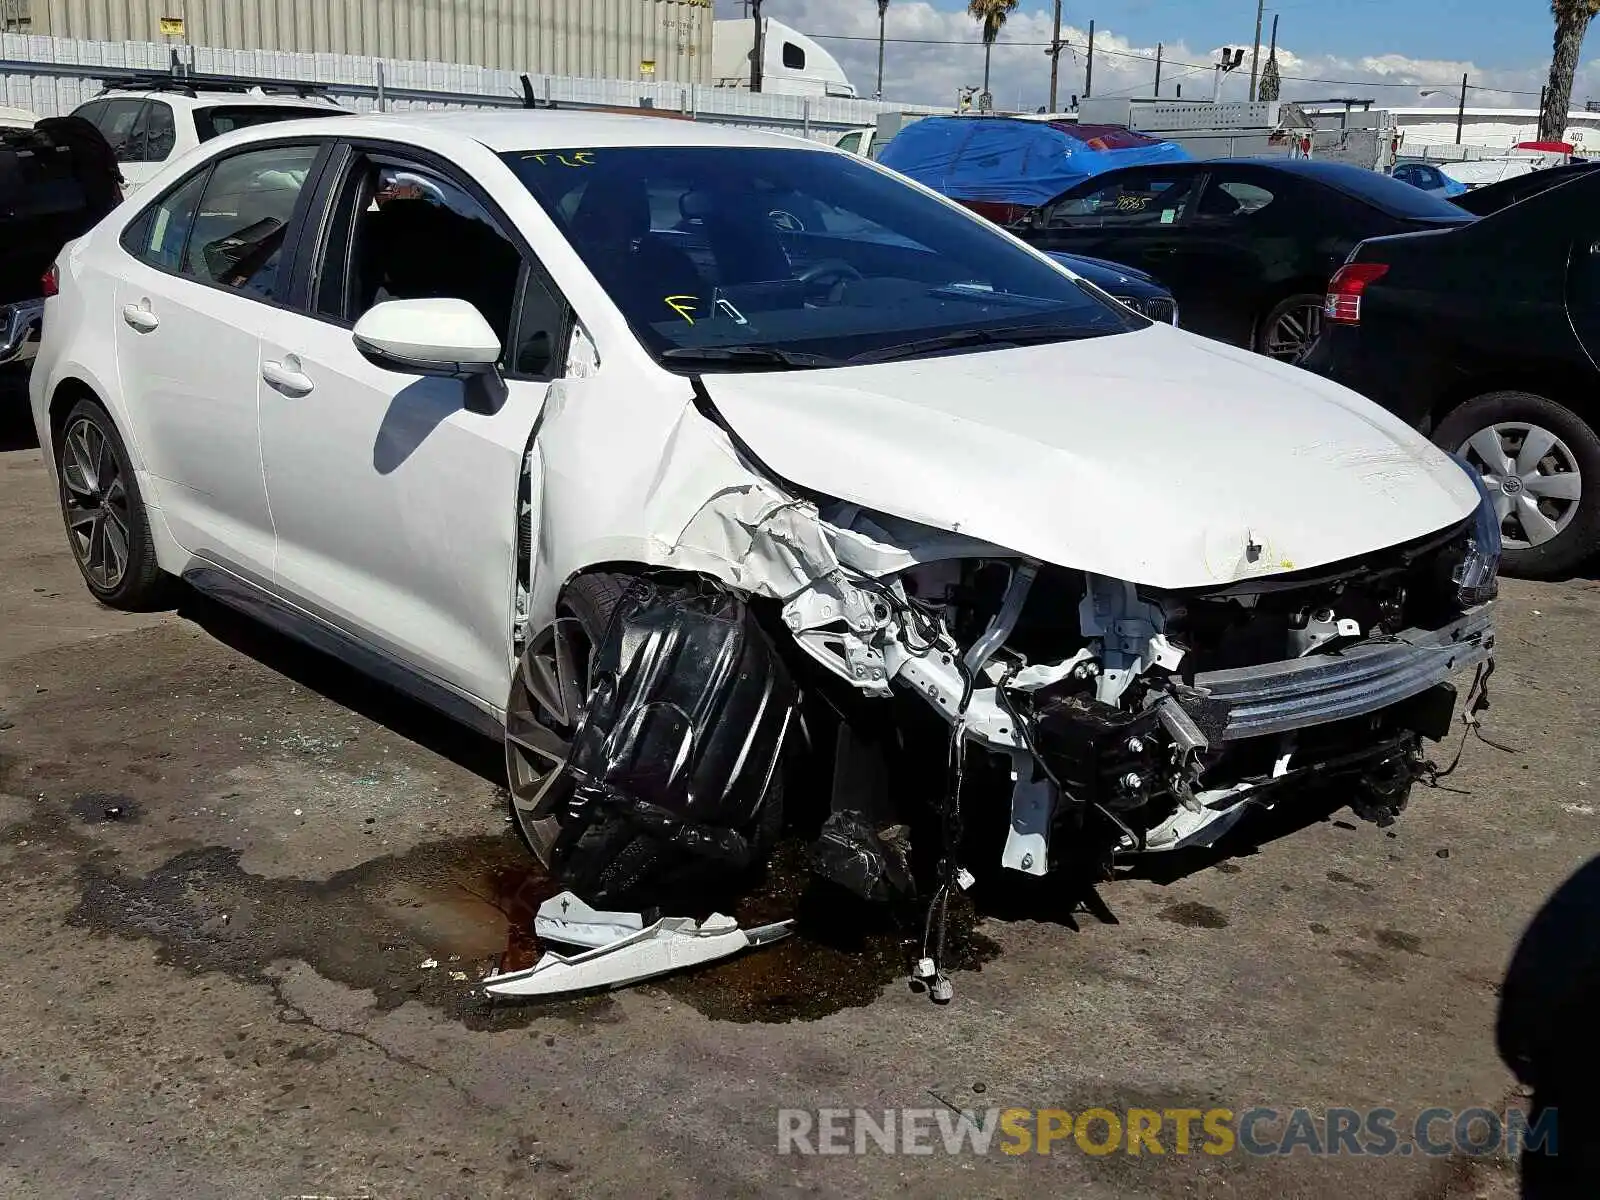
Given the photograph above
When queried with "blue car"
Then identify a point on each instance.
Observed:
(1138, 290)
(1429, 179)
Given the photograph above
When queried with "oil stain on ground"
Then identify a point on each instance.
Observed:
(459, 905)
(1194, 915)
(843, 954)
(466, 907)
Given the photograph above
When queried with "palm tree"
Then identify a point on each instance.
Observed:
(1271, 80)
(1572, 22)
(993, 14)
(883, 13)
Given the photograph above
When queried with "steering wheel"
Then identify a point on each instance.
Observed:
(827, 275)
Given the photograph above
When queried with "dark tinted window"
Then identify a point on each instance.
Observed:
(117, 123)
(214, 122)
(793, 57)
(93, 112)
(1131, 199)
(160, 132)
(800, 251)
(1234, 199)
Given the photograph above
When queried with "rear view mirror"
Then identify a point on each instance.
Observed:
(428, 337)
(439, 336)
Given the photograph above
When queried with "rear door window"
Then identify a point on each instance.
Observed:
(1230, 199)
(244, 219)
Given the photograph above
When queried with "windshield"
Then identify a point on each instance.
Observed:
(214, 122)
(797, 258)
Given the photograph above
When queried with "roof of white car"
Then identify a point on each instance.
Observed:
(546, 129)
(203, 99)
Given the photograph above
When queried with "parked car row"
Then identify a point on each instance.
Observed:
(1476, 319)
(1247, 246)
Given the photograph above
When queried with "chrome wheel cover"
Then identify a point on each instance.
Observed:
(1533, 478)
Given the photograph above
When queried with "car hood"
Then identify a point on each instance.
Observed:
(1156, 457)
(1093, 268)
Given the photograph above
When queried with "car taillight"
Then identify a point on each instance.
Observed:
(1343, 305)
(52, 281)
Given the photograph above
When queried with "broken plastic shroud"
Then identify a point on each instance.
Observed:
(686, 722)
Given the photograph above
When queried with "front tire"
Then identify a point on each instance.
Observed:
(1535, 456)
(603, 857)
(107, 525)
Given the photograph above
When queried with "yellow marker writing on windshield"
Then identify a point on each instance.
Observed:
(578, 158)
(684, 306)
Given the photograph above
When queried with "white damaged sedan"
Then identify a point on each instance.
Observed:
(741, 485)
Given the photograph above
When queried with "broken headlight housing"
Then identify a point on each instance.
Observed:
(1477, 575)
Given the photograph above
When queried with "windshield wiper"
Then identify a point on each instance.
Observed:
(748, 355)
(1006, 336)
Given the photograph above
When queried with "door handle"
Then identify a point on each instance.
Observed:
(287, 376)
(140, 317)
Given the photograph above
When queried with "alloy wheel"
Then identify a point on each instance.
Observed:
(1533, 478)
(1294, 332)
(543, 716)
(95, 498)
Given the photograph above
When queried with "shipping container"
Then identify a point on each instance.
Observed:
(664, 41)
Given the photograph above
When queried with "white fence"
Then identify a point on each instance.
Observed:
(52, 76)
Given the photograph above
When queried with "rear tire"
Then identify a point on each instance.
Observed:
(107, 525)
(1544, 476)
(1290, 329)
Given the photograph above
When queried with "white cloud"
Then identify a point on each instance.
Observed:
(1020, 74)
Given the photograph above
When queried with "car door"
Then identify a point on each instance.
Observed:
(396, 505)
(1572, 209)
(205, 270)
(1138, 217)
(1240, 254)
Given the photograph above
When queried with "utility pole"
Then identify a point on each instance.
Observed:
(1088, 73)
(1255, 55)
(1158, 70)
(1461, 110)
(1055, 58)
(758, 53)
(883, 13)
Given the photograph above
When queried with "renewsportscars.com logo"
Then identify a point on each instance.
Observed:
(1260, 1131)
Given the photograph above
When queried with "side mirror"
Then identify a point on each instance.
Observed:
(443, 337)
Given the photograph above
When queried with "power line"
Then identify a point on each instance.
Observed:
(1368, 83)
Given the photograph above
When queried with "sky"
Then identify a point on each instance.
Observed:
(1388, 50)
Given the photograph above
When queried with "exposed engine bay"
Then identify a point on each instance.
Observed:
(936, 687)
